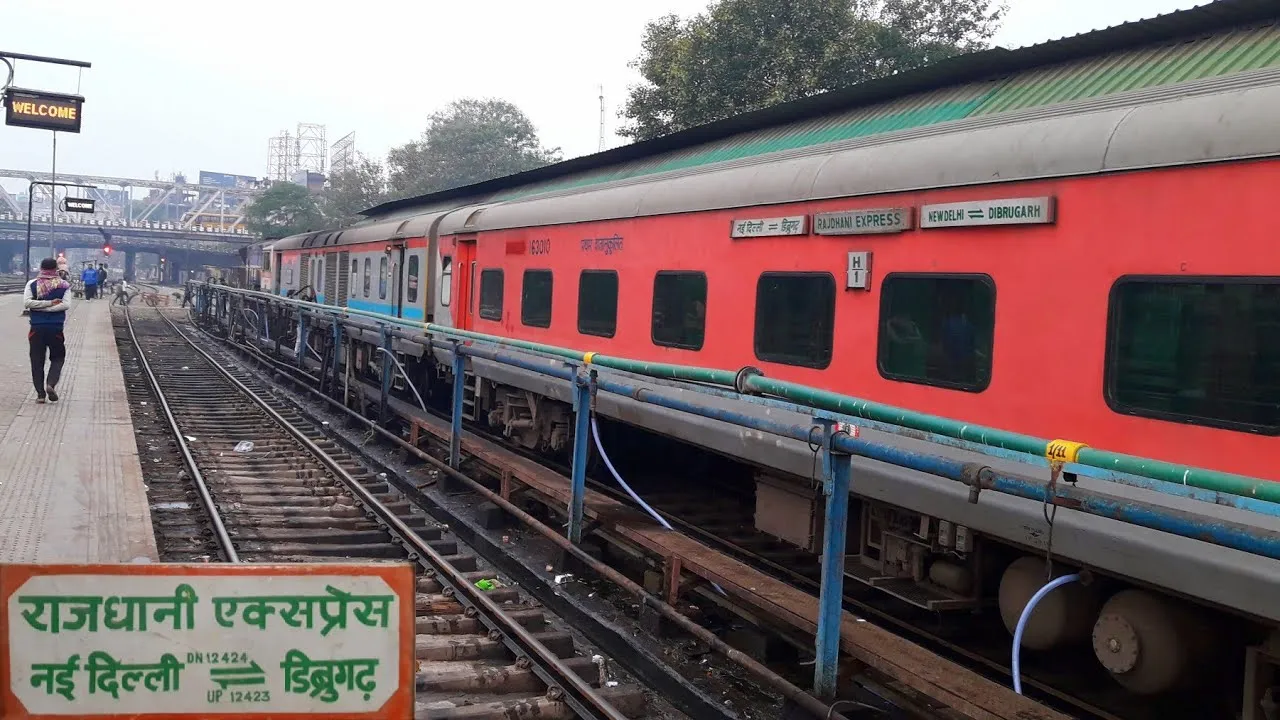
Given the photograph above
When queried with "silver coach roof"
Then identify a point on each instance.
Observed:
(1226, 118)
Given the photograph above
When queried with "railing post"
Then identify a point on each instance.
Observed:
(581, 450)
(836, 474)
(455, 418)
(337, 357)
(301, 350)
(386, 375)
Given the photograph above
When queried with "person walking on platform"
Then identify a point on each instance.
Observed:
(45, 299)
(89, 276)
(102, 280)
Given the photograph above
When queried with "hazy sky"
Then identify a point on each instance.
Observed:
(189, 86)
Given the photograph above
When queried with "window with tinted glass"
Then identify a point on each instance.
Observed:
(679, 309)
(446, 280)
(937, 329)
(491, 294)
(368, 272)
(598, 302)
(382, 277)
(535, 298)
(412, 290)
(795, 318)
(355, 274)
(1197, 350)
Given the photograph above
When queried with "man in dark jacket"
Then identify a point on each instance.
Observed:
(45, 300)
(88, 276)
(102, 280)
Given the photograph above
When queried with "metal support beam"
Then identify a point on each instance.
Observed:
(581, 448)
(155, 205)
(455, 417)
(337, 357)
(387, 369)
(191, 220)
(836, 473)
(301, 354)
(8, 201)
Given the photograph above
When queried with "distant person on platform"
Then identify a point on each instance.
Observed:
(89, 276)
(45, 299)
(102, 279)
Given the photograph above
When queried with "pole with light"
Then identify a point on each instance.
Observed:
(26, 257)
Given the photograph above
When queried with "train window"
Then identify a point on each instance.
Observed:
(368, 268)
(679, 309)
(382, 278)
(937, 330)
(446, 280)
(491, 294)
(795, 318)
(598, 302)
(535, 298)
(355, 274)
(1196, 350)
(412, 272)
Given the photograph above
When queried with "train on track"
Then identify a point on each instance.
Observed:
(1073, 240)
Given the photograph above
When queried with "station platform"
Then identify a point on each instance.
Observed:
(71, 487)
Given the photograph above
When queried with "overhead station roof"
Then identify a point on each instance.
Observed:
(1212, 40)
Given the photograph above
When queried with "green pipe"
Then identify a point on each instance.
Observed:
(1116, 462)
(1202, 478)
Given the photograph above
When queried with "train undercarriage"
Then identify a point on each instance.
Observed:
(1113, 645)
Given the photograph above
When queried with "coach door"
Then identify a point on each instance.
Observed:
(464, 274)
(397, 286)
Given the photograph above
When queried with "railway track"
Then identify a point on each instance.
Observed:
(718, 517)
(297, 496)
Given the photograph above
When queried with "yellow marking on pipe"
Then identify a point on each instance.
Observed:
(586, 357)
(1063, 451)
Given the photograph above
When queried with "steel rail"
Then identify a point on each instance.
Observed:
(206, 499)
(575, 692)
(811, 704)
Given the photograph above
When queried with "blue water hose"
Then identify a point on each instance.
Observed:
(595, 434)
(1022, 624)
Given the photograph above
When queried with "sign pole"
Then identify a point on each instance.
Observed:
(26, 257)
(53, 193)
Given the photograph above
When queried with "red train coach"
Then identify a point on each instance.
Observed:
(1099, 269)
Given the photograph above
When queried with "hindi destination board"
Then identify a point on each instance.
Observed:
(327, 639)
(769, 227)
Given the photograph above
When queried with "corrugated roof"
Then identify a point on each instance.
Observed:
(1134, 55)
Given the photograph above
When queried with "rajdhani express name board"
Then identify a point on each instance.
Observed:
(329, 640)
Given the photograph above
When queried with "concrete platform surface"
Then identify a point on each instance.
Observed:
(71, 488)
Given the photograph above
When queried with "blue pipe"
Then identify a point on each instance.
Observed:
(1257, 541)
(1026, 616)
(1161, 486)
(1232, 535)
(595, 434)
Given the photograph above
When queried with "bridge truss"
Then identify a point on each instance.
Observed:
(176, 203)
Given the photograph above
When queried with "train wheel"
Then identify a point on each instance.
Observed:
(1063, 616)
(1147, 642)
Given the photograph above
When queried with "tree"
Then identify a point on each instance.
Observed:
(743, 55)
(284, 209)
(350, 191)
(468, 142)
